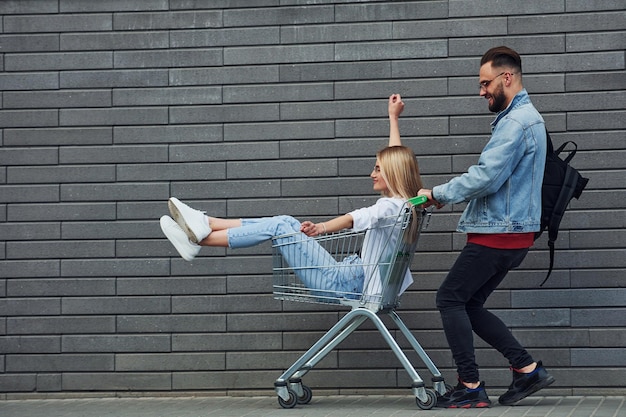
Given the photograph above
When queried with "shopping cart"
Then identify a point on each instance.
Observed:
(382, 257)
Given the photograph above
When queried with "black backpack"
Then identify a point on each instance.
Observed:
(561, 183)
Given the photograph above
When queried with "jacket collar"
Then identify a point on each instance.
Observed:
(519, 99)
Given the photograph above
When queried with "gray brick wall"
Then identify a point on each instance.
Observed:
(269, 107)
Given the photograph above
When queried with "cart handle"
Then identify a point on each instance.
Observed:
(418, 200)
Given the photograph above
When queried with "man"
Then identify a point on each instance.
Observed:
(504, 194)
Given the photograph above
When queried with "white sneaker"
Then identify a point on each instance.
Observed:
(194, 222)
(187, 249)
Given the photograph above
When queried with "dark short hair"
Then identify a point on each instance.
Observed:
(502, 56)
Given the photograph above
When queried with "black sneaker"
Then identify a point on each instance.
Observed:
(524, 385)
(463, 397)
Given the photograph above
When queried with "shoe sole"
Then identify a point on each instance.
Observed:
(538, 386)
(178, 218)
(481, 404)
(165, 228)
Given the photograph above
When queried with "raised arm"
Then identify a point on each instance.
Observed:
(395, 107)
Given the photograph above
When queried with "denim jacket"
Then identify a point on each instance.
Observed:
(504, 188)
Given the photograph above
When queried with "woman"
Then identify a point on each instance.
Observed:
(396, 176)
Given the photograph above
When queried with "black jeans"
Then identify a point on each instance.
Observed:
(474, 276)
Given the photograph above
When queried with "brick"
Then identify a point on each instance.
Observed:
(214, 304)
(172, 172)
(60, 174)
(172, 361)
(18, 382)
(30, 306)
(60, 250)
(30, 231)
(124, 191)
(390, 50)
(340, 71)
(304, 169)
(169, 96)
(29, 81)
(575, 22)
(56, 99)
(9, 7)
(29, 43)
(222, 152)
(494, 7)
(34, 156)
(168, 20)
(113, 381)
(118, 305)
(599, 357)
(116, 344)
(454, 28)
(219, 379)
(278, 54)
(199, 38)
(168, 58)
(177, 324)
(112, 267)
(281, 131)
(252, 189)
(114, 78)
(31, 268)
(226, 342)
(167, 134)
(224, 113)
(596, 120)
(60, 287)
(582, 6)
(391, 11)
(594, 81)
(58, 23)
(60, 325)
(579, 42)
(118, 154)
(113, 116)
(169, 286)
(269, 92)
(49, 382)
(30, 344)
(114, 40)
(279, 16)
(582, 101)
(335, 32)
(58, 136)
(29, 118)
(111, 6)
(595, 317)
(379, 89)
(569, 298)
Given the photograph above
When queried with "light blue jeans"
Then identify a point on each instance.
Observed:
(313, 265)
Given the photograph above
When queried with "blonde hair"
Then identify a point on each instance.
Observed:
(399, 169)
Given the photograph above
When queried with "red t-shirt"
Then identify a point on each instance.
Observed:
(502, 240)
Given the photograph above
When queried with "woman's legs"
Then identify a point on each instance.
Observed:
(312, 263)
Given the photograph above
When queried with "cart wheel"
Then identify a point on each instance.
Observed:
(307, 394)
(428, 404)
(291, 402)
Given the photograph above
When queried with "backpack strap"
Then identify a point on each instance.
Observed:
(571, 153)
(567, 193)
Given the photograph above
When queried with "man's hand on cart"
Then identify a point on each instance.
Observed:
(431, 201)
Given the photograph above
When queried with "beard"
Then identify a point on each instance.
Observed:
(499, 100)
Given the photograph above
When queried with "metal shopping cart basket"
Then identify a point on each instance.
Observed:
(362, 270)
